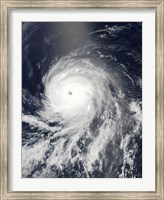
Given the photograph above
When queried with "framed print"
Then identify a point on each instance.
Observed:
(82, 99)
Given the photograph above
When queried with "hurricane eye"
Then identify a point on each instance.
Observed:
(70, 93)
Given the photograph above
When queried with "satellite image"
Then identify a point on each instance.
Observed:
(81, 100)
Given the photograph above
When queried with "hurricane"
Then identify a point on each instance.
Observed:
(81, 100)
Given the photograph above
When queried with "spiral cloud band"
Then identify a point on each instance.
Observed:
(85, 123)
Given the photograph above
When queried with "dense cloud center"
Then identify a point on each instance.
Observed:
(78, 92)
